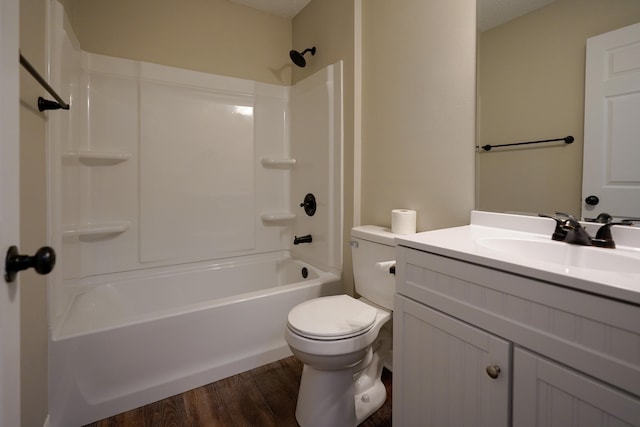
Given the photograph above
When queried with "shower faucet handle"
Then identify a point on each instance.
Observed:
(309, 204)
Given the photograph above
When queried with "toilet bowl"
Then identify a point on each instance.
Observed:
(344, 342)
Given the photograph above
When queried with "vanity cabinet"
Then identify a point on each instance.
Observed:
(445, 381)
(549, 394)
(476, 346)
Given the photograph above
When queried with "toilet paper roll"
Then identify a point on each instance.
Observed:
(403, 221)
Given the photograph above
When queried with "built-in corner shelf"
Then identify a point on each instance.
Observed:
(98, 158)
(277, 216)
(96, 230)
(277, 163)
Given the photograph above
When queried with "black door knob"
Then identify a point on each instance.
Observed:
(43, 262)
(592, 200)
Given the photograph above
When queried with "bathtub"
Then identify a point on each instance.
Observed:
(134, 338)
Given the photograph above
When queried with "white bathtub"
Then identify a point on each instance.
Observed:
(137, 338)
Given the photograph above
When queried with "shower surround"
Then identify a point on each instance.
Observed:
(174, 201)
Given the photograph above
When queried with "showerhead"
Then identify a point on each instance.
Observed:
(298, 58)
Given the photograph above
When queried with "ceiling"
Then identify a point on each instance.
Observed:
(285, 8)
(491, 13)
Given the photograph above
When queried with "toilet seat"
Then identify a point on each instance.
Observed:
(335, 317)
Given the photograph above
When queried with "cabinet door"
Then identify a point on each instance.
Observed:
(548, 394)
(440, 371)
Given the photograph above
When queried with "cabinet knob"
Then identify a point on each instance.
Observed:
(493, 371)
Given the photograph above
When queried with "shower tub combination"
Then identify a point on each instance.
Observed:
(175, 199)
(134, 340)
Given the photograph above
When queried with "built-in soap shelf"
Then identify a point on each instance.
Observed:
(98, 158)
(277, 216)
(277, 163)
(95, 230)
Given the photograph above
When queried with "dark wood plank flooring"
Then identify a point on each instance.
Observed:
(263, 397)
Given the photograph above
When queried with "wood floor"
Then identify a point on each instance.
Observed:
(262, 397)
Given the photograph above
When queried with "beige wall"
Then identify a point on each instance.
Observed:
(212, 36)
(531, 87)
(328, 25)
(418, 110)
(33, 306)
(418, 92)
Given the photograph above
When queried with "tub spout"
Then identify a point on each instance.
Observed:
(302, 239)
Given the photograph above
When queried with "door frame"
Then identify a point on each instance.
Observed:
(9, 211)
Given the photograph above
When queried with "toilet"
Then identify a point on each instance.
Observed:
(344, 342)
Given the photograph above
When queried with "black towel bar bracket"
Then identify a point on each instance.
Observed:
(44, 104)
(567, 139)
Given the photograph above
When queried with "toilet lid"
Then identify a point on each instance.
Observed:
(330, 318)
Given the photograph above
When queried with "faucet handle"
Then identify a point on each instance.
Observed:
(604, 218)
(603, 238)
(559, 233)
(569, 221)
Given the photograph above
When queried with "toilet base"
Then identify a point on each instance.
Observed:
(345, 397)
(340, 398)
(318, 407)
(326, 398)
(370, 391)
(370, 401)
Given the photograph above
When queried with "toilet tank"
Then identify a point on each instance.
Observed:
(370, 245)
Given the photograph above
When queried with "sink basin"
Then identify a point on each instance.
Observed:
(522, 245)
(564, 254)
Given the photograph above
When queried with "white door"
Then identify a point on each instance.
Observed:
(611, 167)
(9, 213)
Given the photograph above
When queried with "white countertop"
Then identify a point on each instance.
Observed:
(468, 243)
